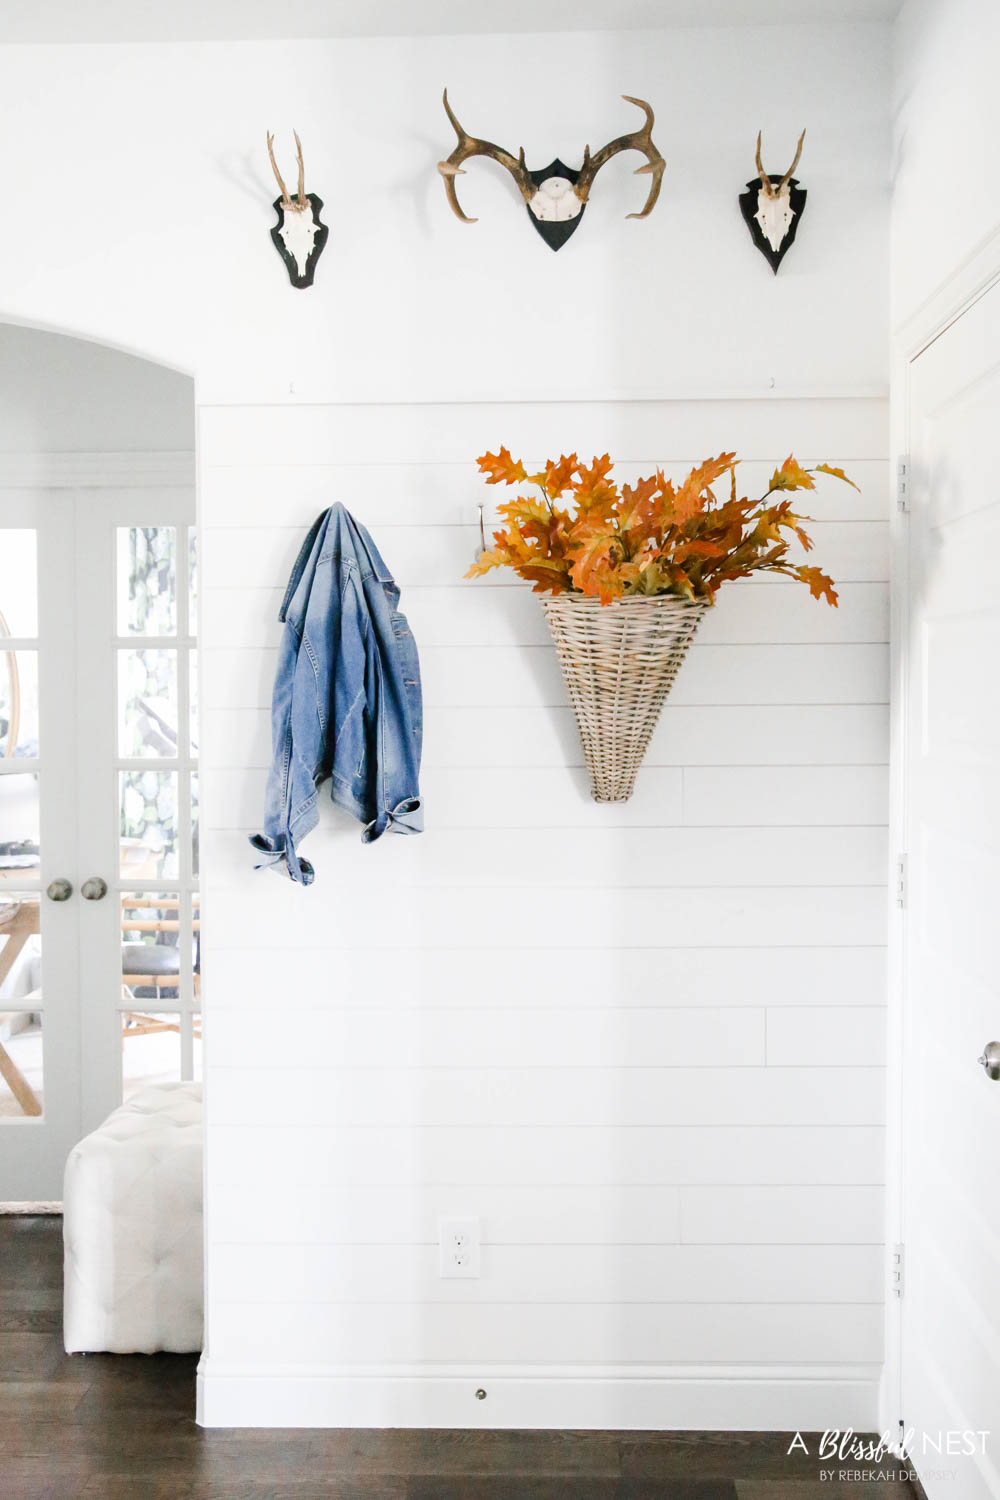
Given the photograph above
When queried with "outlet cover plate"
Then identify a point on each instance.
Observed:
(459, 1247)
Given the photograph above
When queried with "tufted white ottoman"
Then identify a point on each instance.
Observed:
(132, 1228)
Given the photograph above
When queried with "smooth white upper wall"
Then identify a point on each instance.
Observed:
(152, 231)
(64, 395)
(946, 133)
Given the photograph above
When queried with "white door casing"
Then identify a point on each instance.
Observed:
(950, 1109)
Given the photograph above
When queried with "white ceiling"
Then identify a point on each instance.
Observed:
(248, 20)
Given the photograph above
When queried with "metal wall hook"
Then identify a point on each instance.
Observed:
(482, 532)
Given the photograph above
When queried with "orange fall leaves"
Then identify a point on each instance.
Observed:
(583, 533)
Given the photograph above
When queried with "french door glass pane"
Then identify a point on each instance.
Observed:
(19, 822)
(150, 947)
(21, 1092)
(147, 703)
(147, 580)
(20, 948)
(192, 581)
(193, 699)
(18, 582)
(195, 826)
(149, 825)
(151, 1049)
(18, 702)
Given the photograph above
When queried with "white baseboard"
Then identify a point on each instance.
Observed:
(640, 1398)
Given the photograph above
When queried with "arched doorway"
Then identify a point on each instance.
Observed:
(99, 960)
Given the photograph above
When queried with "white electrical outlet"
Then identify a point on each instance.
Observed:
(458, 1244)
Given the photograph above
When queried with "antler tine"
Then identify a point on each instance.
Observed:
(647, 110)
(301, 194)
(643, 140)
(469, 145)
(765, 181)
(638, 140)
(788, 175)
(462, 134)
(286, 202)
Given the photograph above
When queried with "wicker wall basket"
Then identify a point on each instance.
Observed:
(619, 661)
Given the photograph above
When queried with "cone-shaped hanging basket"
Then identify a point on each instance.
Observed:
(619, 661)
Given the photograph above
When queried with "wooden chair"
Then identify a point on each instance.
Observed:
(154, 966)
(18, 922)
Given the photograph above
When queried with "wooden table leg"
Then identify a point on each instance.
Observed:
(17, 930)
(18, 1084)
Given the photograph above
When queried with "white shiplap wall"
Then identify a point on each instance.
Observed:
(643, 1043)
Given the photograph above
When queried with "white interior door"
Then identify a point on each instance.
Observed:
(100, 792)
(138, 829)
(951, 1009)
(39, 1013)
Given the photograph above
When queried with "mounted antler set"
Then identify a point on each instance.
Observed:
(298, 236)
(772, 212)
(555, 196)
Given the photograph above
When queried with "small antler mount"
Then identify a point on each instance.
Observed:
(299, 236)
(556, 195)
(772, 207)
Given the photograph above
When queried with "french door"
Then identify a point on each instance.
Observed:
(951, 1010)
(99, 907)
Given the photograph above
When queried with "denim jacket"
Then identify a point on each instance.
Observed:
(347, 703)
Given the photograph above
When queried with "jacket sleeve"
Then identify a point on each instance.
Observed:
(290, 781)
(394, 721)
(275, 843)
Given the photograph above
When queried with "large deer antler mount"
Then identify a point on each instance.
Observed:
(556, 195)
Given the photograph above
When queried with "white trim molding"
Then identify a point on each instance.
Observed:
(969, 281)
(639, 1398)
(102, 471)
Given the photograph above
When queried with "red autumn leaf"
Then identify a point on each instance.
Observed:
(594, 490)
(558, 477)
(820, 586)
(791, 476)
(639, 510)
(837, 474)
(500, 468)
(594, 549)
(549, 577)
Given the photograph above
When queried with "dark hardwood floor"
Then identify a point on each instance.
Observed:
(121, 1427)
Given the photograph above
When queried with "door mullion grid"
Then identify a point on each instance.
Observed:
(149, 642)
(185, 934)
(180, 765)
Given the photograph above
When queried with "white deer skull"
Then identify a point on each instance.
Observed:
(772, 206)
(298, 236)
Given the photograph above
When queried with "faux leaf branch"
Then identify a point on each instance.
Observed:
(584, 534)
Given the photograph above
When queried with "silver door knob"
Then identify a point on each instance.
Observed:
(94, 889)
(58, 890)
(990, 1060)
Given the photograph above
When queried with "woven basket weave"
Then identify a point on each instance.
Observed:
(619, 661)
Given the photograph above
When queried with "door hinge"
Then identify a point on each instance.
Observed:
(902, 879)
(896, 1271)
(902, 485)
